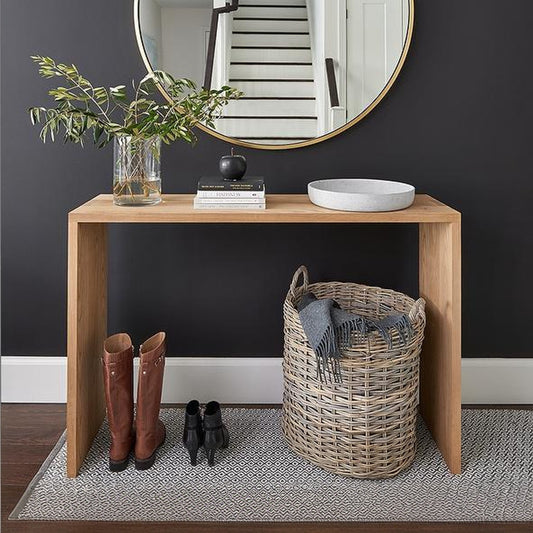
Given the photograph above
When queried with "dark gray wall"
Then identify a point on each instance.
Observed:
(457, 125)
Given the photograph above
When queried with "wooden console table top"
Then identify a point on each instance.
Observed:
(281, 208)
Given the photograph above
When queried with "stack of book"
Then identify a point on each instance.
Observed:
(217, 193)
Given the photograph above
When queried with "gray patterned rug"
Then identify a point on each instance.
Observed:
(259, 479)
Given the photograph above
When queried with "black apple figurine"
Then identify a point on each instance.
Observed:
(232, 167)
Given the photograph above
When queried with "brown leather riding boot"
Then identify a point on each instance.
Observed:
(118, 384)
(150, 431)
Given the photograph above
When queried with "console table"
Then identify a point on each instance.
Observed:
(439, 282)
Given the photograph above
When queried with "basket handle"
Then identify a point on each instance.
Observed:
(302, 271)
(417, 309)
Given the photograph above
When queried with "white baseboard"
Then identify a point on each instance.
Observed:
(34, 379)
(226, 379)
(497, 381)
(251, 380)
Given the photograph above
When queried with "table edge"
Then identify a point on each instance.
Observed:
(322, 216)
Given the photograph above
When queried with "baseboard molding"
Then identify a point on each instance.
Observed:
(250, 380)
(226, 379)
(30, 379)
(497, 381)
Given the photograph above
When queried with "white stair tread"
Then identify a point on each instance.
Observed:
(272, 12)
(284, 26)
(258, 55)
(272, 2)
(258, 39)
(275, 88)
(267, 127)
(271, 108)
(271, 72)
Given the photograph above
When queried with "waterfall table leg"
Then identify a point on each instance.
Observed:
(440, 364)
(87, 329)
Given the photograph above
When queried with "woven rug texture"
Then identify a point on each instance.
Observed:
(258, 478)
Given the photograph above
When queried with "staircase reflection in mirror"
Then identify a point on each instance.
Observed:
(305, 67)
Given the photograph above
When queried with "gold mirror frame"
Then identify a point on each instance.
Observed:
(237, 142)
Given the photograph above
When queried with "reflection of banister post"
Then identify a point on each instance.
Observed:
(332, 83)
(228, 8)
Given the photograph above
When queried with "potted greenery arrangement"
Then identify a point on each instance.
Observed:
(137, 125)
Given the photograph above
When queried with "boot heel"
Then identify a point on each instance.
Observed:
(145, 464)
(193, 454)
(118, 466)
(211, 456)
(216, 433)
(225, 442)
(193, 434)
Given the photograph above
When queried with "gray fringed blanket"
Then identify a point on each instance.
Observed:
(329, 329)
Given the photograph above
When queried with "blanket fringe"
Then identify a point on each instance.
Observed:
(328, 352)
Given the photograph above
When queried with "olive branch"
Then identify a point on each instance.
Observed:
(82, 107)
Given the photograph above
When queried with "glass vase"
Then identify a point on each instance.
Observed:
(137, 170)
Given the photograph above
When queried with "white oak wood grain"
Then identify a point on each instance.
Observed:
(281, 208)
(86, 330)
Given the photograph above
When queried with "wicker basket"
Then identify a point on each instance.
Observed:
(364, 427)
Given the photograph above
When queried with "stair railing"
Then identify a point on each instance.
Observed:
(228, 8)
(332, 83)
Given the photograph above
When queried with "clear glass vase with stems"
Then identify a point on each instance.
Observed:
(136, 170)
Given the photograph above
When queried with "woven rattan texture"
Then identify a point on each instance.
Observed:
(364, 427)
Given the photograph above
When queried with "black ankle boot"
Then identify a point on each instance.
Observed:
(193, 433)
(216, 433)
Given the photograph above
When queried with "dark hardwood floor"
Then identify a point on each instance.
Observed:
(29, 431)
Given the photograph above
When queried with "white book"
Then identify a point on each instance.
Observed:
(230, 207)
(231, 194)
(228, 201)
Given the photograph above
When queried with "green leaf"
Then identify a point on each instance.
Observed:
(118, 92)
(35, 115)
(97, 132)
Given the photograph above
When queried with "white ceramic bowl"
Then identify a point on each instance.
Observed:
(361, 194)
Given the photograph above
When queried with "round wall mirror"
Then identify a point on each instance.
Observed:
(308, 69)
